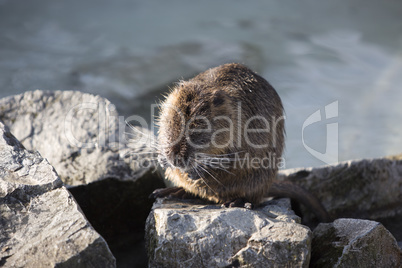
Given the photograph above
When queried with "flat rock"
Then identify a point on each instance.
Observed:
(41, 224)
(190, 234)
(354, 243)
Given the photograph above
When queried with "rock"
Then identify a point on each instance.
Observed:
(41, 224)
(80, 134)
(354, 243)
(88, 143)
(366, 189)
(189, 234)
(118, 210)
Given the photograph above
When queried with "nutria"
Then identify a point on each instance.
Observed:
(221, 137)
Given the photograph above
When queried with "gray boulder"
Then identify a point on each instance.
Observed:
(365, 189)
(190, 234)
(354, 243)
(80, 134)
(108, 167)
(41, 224)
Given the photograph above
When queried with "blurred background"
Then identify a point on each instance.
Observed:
(313, 52)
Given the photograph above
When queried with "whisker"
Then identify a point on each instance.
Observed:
(212, 164)
(210, 159)
(195, 168)
(211, 175)
(134, 138)
(136, 132)
(212, 155)
(136, 129)
(224, 169)
(132, 134)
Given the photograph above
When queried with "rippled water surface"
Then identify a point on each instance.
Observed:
(345, 54)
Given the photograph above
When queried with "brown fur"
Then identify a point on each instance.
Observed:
(217, 92)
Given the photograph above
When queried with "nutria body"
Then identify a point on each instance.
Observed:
(221, 136)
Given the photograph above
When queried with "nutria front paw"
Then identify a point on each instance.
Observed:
(176, 192)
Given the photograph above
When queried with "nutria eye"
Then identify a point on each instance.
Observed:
(198, 139)
(189, 98)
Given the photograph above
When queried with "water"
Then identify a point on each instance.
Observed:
(344, 53)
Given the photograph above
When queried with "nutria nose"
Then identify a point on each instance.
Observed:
(177, 156)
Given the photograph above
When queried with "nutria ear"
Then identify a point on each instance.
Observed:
(219, 99)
